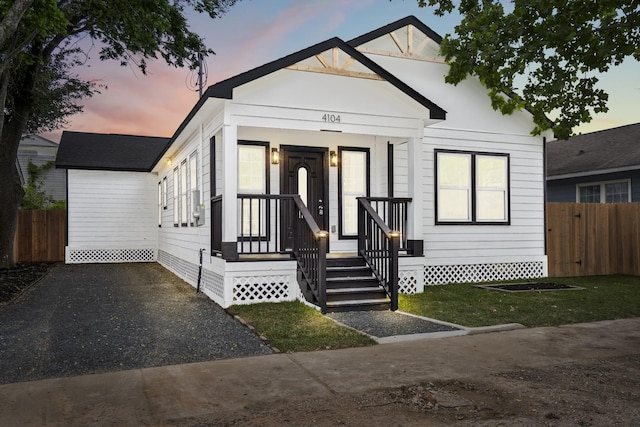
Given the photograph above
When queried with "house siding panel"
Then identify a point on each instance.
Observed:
(111, 211)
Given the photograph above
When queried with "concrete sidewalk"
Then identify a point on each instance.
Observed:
(165, 395)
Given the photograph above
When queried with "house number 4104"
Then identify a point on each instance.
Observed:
(331, 118)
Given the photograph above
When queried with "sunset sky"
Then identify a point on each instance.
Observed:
(255, 32)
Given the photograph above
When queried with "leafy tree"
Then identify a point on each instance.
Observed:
(37, 49)
(555, 46)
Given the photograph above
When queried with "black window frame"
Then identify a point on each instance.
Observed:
(473, 207)
(267, 170)
(341, 149)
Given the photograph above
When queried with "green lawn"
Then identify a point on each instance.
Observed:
(293, 326)
(603, 298)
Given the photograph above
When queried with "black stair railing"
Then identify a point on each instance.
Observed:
(310, 251)
(282, 224)
(393, 211)
(379, 246)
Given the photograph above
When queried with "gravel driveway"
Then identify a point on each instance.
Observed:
(92, 318)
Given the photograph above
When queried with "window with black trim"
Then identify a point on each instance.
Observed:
(193, 185)
(472, 187)
(253, 178)
(164, 193)
(353, 182)
(184, 207)
(159, 204)
(176, 197)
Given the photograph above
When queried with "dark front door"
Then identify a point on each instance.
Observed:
(303, 172)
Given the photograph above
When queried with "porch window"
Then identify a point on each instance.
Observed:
(193, 183)
(353, 178)
(604, 192)
(176, 197)
(252, 179)
(472, 188)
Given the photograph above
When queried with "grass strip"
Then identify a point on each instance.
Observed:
(293, 326)
(603, 298)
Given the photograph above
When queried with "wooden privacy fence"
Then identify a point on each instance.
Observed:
(40, 236)
(588, 239)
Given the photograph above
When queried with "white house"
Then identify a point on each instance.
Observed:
(343, 159)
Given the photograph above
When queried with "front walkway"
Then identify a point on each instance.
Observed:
(91, 318)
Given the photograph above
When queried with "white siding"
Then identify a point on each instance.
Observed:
(477, 243)
(184, 242)
(112, 210)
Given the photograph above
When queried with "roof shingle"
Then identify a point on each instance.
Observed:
(83, 150)
(602, 150)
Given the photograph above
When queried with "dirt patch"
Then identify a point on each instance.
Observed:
(530, 287)
(602, 392)
(15, 280)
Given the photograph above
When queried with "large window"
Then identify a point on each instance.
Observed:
(472, 188)
(353, 177)
(252, 179)
(604, 192)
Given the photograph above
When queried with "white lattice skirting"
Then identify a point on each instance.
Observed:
(472, 273)
(80, 256)
(252, 289)
(210, 282)
(408, 282)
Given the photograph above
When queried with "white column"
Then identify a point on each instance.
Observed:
(229, 183)
(415, 189)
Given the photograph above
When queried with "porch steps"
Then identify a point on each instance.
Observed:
(351, 286)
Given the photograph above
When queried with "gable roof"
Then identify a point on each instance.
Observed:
(224, 89)
(604, 151)
(409, 20)
(96, 151)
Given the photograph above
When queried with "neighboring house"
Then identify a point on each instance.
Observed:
(39, 151)
(354, 147)
(596, 167)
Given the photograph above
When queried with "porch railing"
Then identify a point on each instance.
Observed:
(282, 224)
(393, 211)
(379, 246)
(310, 250)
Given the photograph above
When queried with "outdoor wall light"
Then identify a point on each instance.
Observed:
(333, 159)
(169, 161)
(275, 156)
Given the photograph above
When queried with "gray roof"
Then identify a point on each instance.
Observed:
(605, 151)
(37, 141)
(83, 150)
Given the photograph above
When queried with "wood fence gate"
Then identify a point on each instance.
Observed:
(40, 236)
(588, 239)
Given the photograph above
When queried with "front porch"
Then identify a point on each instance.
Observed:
(278, 228)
